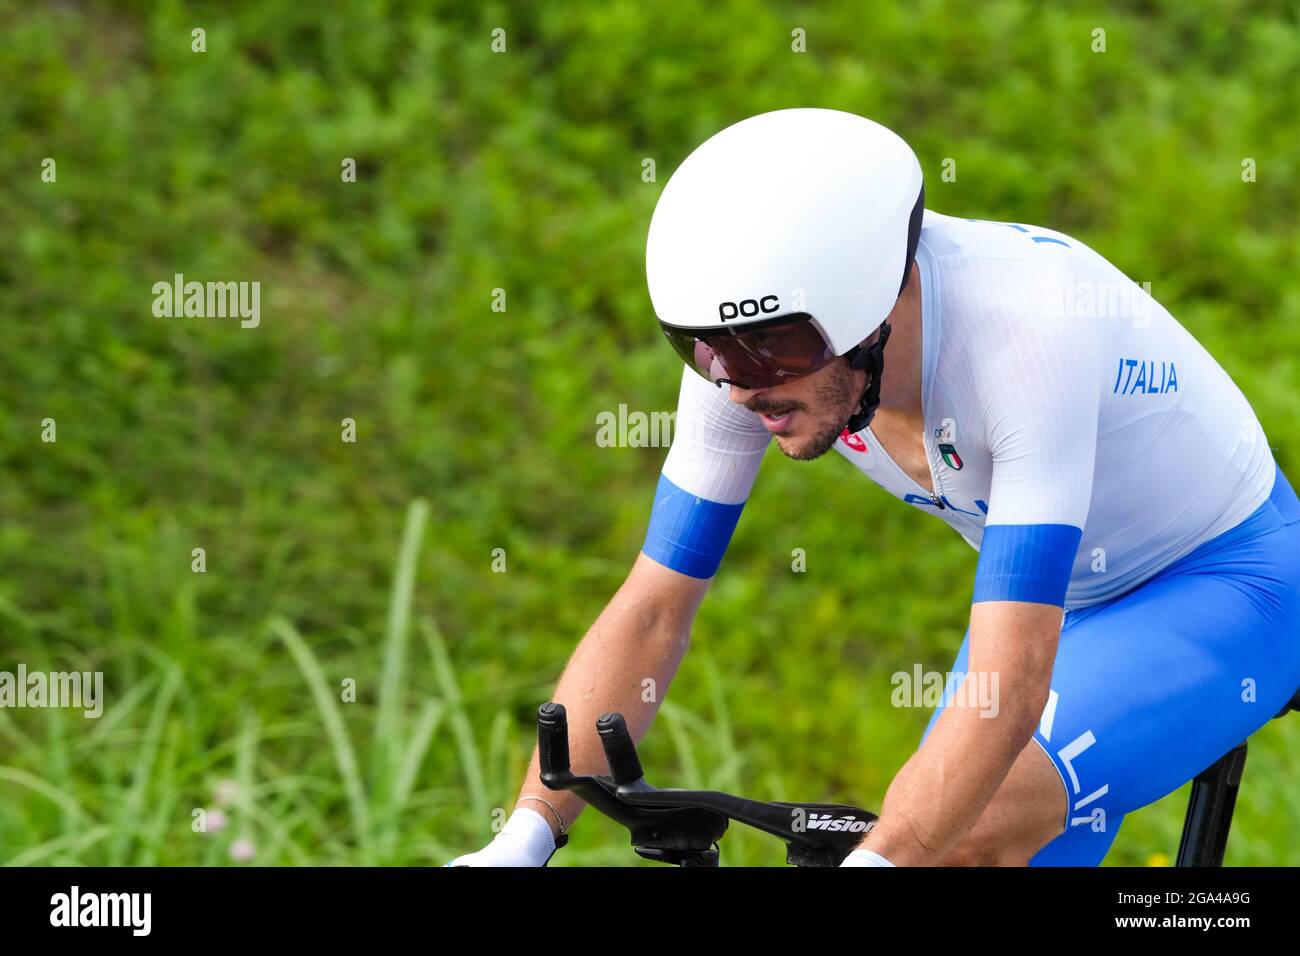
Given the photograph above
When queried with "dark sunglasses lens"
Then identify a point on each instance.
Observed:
(759, 358)
(786, 351)
(695, 353)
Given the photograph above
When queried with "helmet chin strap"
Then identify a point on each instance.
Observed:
(872, 360)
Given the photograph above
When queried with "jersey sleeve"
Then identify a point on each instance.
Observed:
(1036, 376)
(710, 469)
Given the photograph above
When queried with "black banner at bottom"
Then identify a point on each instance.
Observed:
(339, 906)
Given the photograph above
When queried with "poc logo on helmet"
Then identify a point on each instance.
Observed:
(748, 307)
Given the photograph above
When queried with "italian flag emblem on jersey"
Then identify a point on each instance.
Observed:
(950, 457)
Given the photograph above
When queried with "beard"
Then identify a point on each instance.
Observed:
(837, 396)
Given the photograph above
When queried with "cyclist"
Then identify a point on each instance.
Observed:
(1137, 590)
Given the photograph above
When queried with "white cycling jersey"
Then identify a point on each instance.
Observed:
(1078, 436)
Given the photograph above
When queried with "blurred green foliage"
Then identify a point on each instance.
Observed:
(518, 171)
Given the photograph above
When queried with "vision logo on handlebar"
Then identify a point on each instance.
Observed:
(830, 823)
(683, 827)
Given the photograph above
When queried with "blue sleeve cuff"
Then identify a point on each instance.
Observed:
(687, 533)
(1026, 562)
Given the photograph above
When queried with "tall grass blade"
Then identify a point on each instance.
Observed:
(344, 758)
(130, 808)
(461, 729)
(388, 722)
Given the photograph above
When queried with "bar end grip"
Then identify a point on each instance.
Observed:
(620, 751)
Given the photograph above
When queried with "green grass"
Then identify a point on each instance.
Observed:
(519, 171)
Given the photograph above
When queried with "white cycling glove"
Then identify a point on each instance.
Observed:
(525, 840)
(865, 858)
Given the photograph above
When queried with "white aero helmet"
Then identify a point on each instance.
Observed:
(782, 242)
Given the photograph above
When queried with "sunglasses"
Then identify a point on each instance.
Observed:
(756, 355)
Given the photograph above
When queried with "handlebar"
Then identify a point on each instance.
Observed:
(683, 827)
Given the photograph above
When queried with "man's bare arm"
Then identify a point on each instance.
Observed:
(944, 787)
(641, 635)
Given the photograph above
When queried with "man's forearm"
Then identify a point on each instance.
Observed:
(941, 791)
(944, 788)
(624, 663)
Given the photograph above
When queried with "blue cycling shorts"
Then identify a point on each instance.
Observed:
(1152, 687)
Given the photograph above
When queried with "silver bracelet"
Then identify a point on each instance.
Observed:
(549, 804)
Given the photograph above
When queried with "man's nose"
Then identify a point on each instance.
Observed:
(741, 395)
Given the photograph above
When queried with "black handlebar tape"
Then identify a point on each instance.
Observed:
(620, 752)
(553, 738)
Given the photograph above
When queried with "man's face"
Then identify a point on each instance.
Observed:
(808, 414)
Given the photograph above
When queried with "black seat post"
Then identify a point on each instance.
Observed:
(1209, 811)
